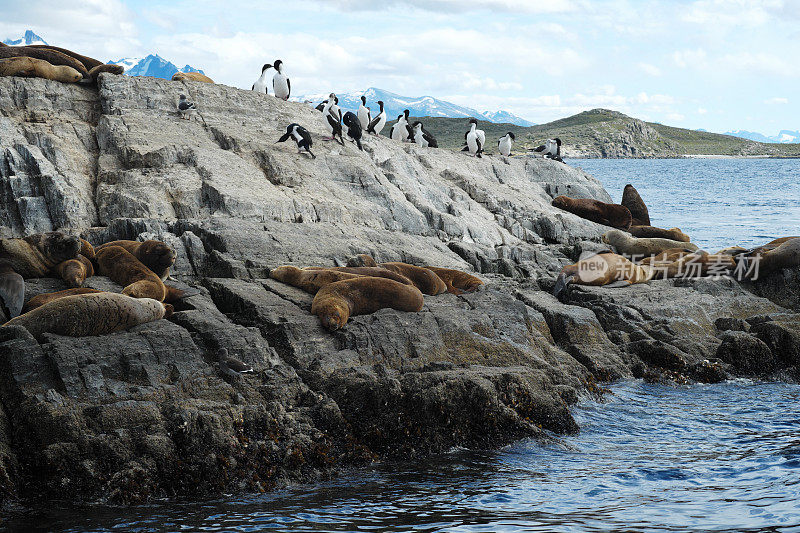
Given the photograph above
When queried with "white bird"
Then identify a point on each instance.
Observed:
(377, 123)
(261, 83)
(505, 143)
(475, 139)
(364, 114)
(280, 83)
(399, 131)
(423, 137)
(185, 107)
(551, 149)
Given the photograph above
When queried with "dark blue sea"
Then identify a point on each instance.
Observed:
(722, 457)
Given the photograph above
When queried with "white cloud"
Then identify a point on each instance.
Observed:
(675, 117)
(458, 6)
(650, 70)
(776, 100)
(702, 110)
(690, 58)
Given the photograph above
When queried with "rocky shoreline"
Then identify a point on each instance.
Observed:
(131, 416)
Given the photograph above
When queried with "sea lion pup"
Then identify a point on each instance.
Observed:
(310, 281)
(29, 67)
(12, 291)
(614, 215)
(121, 266)
(456, 281)
(81, 315)
(637, 207)
(653, 232)
(375, 272)
(155, 255)
(191, 76)
(336, 302)
(75, 271)
(53, 57)
(41, 299)
(37, 255)
(424, 279)
(626, 244)
(604, 269)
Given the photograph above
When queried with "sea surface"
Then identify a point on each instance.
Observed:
(723, 457)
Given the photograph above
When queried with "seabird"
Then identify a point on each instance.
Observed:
(364, 114)
(261, 83)
(353, 127)
(377, 123)
(505, 143)
(399, 131)
(475, 139)
(280, 83)
(551, 149)
(423, 137)
(333, 118)
(232, 366)
(185, 107)
(12, 291)
(300, 136)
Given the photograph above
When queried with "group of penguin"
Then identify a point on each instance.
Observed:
(352, 125)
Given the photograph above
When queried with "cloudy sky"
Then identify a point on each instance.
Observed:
(714, 64)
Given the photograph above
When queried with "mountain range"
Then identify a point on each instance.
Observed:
(152, 65)
(783, 137)
(26, 40)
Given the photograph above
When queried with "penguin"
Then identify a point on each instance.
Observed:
(321, 106)
(422, 137)
(280, 83)
(333, 118)
(353, 126)
(185, 107)
(399, 131)
(364, 114)
(475, 139)
(377, 123)
(551, 149)
(409, 129)
(300, 136)
(261, 83)
(505, 143)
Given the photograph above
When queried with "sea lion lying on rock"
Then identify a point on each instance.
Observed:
(155, 255)
(336, 302)
(776, 255)
(604, 269)
(75, 271)
(94, 66)
(665, 258)
(424, 279)
(37, 255)
(41, 299)
(456, 281)
(309, 280)
(375, 272)
(695, 265)
(81, 315)
(650, 232)
(631, 199)
(614, 215)
(191, 76)
(121, 266)
(29, 67)
(53, 57)
(628, 245)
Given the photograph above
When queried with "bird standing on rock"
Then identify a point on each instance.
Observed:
(475, 139)
(333, 118)
(377, 123)
(230, 365)
(185, 107)
(352, 128)
(280, 83)
(260, 86)
(300, 136)
(423, 137)
(364, 114)
(551, 149)
(505, 143)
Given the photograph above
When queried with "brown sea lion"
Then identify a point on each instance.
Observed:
(75, 271)
(87, 250)
(614, 215)
(12, 291)
(37, 255)
(375, 272)
(362, 260)
(41, 299)
(625, 244)
(121, 266)
(666, 257)
(336, 302)
(695, 265)
(425, 280)
(81, 315)
(600, 270)
(310, 281)
(86, 61)
(110, 69)
(50, 56)
(191, 76)
(637, 207)
(772, 258)
(456, 281)
(155, 255)
(650, 232)
(29, 67)
(771, 245)
(733, 250)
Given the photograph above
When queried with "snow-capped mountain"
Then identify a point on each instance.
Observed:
(28, 39)
(783, 137)
(152, 65)
(422, 106)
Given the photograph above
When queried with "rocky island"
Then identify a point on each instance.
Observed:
(148, 413)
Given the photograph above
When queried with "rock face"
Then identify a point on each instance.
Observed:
(147, 413)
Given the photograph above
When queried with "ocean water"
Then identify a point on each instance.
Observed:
(717, 202)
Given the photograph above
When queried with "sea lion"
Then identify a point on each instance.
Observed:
(424, 279)
(456, 281)
(86, 61)
(37, 255)
(695, 265)
(772, 258)
(53, 57)
(41, 299)
(650, 232)
(771, 245)
(626, 244)
(29, 67)
(614, 215)
(336, 302)
(191, 76)
(666, 257)
(362, 260)
(87, 250)
(81, 315)
(375, 272)
(310, 281)
(75, 271)
(604, 269)
(12, 291)
(110, 69)
(733, 250)
(155, 255)
(121, 266)
(637, 207)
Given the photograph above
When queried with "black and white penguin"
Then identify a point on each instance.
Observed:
(280, 83)
(333, 118)
(475, 139)
(185, 107)
(551, 149)
(423, 137)
(353, 127)
(364, 114)
(377, 123)
(409, 129)
(261, 83)
(505, 143)
(300, 136)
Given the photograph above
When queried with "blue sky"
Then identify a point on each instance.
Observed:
(714, 64)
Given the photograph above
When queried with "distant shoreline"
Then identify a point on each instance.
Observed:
(694, 156)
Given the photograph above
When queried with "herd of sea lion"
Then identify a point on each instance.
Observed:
(639, 252)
